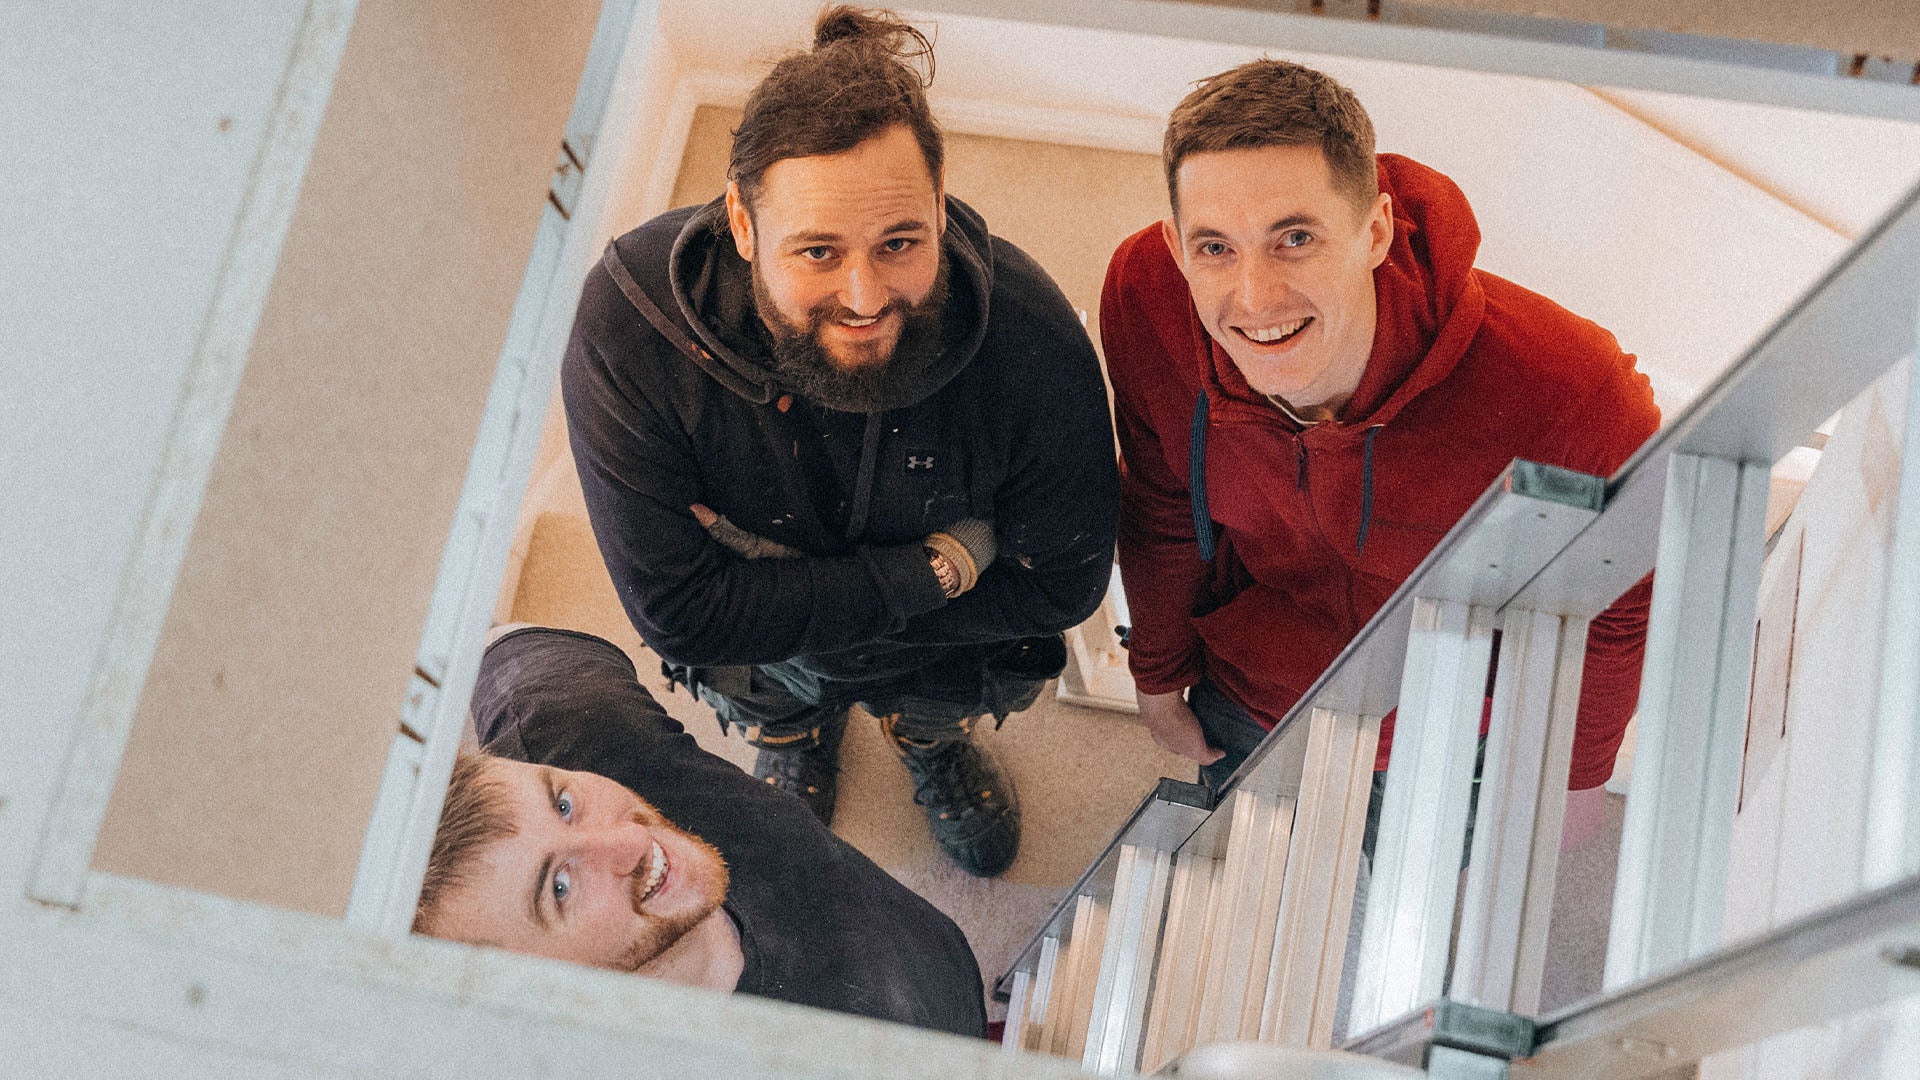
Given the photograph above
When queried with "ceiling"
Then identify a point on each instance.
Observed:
(1683, 224)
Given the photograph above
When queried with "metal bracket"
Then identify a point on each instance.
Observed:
(1451, 1040)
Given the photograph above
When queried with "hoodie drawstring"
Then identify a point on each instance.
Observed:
(863, 480)
(1197, 479)
(1366, 489)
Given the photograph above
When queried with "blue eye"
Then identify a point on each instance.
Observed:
(1213, 247)
(564, 805)
(816, 253)
(898, 244)
(1295, 238)
(562, 885)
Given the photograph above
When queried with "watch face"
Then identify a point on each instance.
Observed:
(944, 571)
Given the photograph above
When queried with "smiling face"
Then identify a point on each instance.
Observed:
(592, 874)
(845, 248)
(1280, 264)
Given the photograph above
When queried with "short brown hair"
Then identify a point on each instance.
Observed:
(1275, 103)
(475, 815)
(862, 76)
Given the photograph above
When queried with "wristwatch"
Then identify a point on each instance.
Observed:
(944, 570)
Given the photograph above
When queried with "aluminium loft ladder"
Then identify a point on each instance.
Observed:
(1208, 923)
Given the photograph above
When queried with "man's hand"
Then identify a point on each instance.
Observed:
(1175, 728)
(738, 540)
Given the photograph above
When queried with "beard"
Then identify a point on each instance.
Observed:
(803, 366)
(702, 867)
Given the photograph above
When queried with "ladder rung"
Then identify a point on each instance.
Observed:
(1423, 812)
(1013, 1037)
(1316, 906)
(1178, 974)
(1073, 979)
(1245, 906)
(1671, 883)
(1040, 999)
(1126, 959)
(1508, 900)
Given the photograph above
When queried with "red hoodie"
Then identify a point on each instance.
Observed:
(1469, 371)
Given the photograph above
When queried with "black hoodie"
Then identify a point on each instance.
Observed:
(671, 401)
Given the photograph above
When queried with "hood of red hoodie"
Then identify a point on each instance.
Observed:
(1429, 304)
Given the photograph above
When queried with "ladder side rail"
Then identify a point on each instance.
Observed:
(1844, 959)
(1508, 897)
(1670, 890)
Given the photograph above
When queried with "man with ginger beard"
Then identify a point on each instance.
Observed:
(840, 445)
(592, 829)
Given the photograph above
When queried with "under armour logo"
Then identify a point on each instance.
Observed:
(915, 461)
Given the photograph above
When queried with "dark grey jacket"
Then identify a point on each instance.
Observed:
(670, 402)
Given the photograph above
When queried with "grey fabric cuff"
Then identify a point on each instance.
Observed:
(977, 537)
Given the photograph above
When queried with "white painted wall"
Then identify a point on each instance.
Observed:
(277, 684)
(132, 133)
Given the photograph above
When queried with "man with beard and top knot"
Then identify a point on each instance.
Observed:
(1312, 383)
(592, 829)
(840, 445)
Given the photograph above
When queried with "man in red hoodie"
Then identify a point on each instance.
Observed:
(1306, 364)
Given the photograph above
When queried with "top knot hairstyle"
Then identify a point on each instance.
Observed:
(867, 71)
(1275, 103)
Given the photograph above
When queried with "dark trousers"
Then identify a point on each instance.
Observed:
(784, 703)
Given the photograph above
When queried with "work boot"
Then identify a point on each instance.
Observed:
(970, 802)
(806, 764)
